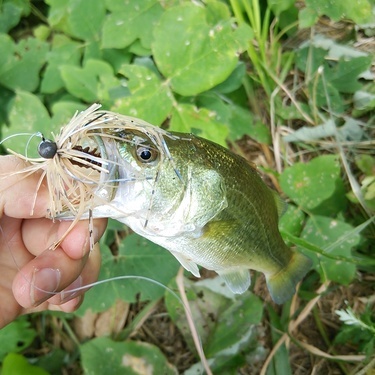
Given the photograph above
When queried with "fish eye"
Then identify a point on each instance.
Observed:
(146, 154)
(47, 149)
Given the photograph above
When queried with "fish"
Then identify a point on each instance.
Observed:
(203, 203)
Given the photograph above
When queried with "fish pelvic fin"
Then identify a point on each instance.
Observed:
(282, 285)
(238, 281)
(187, 263)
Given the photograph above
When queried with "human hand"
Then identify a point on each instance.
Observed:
(33, 277)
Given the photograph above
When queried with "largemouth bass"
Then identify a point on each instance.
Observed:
(195, 198)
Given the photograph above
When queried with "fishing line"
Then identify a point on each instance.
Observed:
(182, 301)
(75, 165)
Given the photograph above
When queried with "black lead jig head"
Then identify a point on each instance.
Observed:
(47, 149)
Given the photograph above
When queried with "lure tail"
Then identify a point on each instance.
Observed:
(282, 285)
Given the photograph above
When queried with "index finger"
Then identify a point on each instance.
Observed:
(20, 193)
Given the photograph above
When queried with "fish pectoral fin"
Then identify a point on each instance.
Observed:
(187, 263)
(238, 281)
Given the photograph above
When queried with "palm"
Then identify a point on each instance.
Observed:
(25, 253)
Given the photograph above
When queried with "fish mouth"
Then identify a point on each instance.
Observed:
(97, 157)
(92, 166)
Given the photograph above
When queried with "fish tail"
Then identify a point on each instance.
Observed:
(282, 285)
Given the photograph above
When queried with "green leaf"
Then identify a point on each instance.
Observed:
(105, 356)
(85, 18)
(17, 364)
(366, 163)
(225, 322)
(27, 114)
(16, 337)
(137, 257)
(320, 231)
(292, 221)
(186, 118)
(280, 364)
(307, 17)
(58, 15)
(234, 81)
(312, 184)
(93, 82)
(63, 111)
(309, 59)
(63, 51)
(20, 63)
(11, 12)
(344, 75)
(150, 99)
(279, 6)
(359, 11)
(129, 21)
(194, 55)
(364, 101)
(234, 323)
(325, 94)
(5, 98)
(117, 57)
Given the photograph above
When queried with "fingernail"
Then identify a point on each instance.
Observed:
(44, 283)
(72, 290)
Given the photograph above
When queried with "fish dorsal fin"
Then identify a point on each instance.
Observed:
(237, 280)
(187, 263)
(281, 205)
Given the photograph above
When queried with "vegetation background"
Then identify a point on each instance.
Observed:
(287, 84)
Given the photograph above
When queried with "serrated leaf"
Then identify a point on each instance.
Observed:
(20, 63)
(27, 114)
(105, 356)
(194, 55)
(137, 257)
(150, 99)
(64, 51)
(186, 118)
(129, 21)
(16, 336)
(322, 232)
(310, 184)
